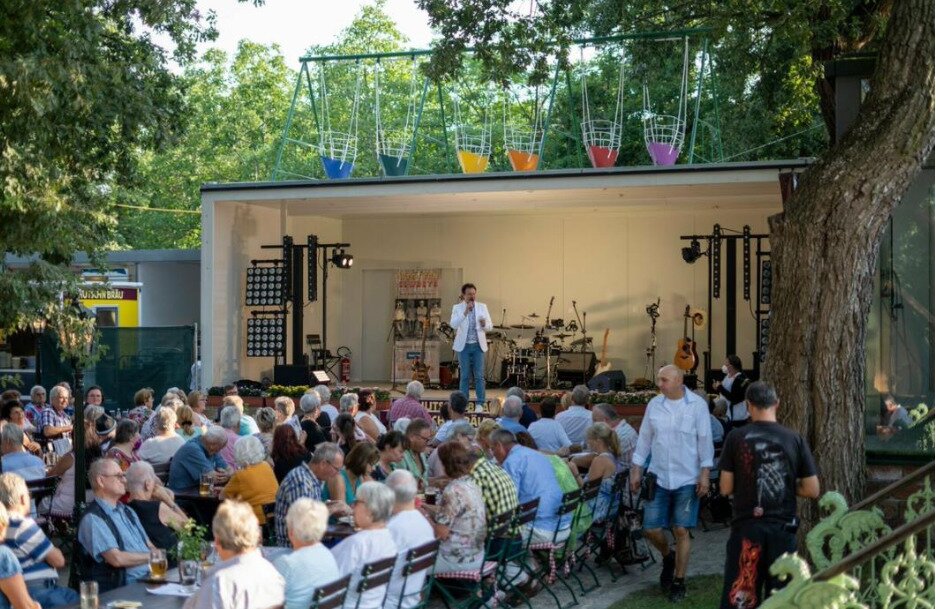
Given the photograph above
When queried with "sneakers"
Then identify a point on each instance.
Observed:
(677, 591)
(669, 569)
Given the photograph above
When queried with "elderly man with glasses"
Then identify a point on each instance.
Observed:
(309, 480)
(114, 546)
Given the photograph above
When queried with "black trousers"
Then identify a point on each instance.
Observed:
(753, 546)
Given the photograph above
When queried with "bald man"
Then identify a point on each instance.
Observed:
(676, 439)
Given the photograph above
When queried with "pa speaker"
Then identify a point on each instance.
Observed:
(576, 366)
(612, 380)
(291, 375)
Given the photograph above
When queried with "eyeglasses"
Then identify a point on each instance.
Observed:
(333, 466)
(120, 475)
(425, 439)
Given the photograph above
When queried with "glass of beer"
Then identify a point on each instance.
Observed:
(89, 595)
(158, 564)
(204, 484)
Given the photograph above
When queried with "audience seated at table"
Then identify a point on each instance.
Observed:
(391, 447)
(162, 447)
(462, 432)
(37, 557)
(148, 429)
(121, 447)
(358, 469)
(102, 557)
(373, 541)
(409, 529)
(535, 477)
(15, 594)
(415, 461)
(367, 418)
(459, 520)
(308, 480)
(63, 501)
(310, 565)
(15, 458)
(287, 452)
(196, 457)
(242, 579)
(254, 481)
(159, 518)
(230, 421)
(549, 435)
(248, 425)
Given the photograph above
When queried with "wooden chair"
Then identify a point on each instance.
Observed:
(373, 576)
(331, 596)
(419, 560)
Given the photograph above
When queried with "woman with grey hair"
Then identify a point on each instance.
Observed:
(371, 510)
(348, 403)
(254, 480)
(312, 421)
(325, 395)
(266, 421)
(243, 579)
(157, 517)
(163, 446)
(230, 421)
(310, 565)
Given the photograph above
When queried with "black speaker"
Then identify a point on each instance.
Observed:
(612, 380)
(291, 375)
(576, 366)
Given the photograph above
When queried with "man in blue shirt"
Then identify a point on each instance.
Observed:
(196, 457)
(529, 415)
(110, 532)
(534, 476)
(513, 410)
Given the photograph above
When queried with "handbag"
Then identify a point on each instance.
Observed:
(648, 486)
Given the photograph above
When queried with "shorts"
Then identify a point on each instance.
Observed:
(676, 508)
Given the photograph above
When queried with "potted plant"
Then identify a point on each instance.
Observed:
(191, 550)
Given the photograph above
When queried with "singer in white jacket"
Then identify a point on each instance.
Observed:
(471, 321)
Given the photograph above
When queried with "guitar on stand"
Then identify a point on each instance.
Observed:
(420, 368)
(603, 364)
(686, 358)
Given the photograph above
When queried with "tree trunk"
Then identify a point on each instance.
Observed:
(824, 246)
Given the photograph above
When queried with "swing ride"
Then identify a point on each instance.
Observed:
(399, 102)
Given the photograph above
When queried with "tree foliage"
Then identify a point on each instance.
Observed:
(83, 89)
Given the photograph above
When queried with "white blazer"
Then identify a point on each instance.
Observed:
(459, 321)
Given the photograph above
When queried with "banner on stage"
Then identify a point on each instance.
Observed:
(407, 352)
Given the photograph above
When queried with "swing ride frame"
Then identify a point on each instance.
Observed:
(304, 80)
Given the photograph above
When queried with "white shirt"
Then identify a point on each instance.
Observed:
(356, 551)
(575, 421)
(160, 449)
(247, 581)
(627, 438)
(409, 529)
(677, 437)
(549, 435)
(331, 411)
(381, 428)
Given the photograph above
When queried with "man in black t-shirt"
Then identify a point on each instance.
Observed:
(765, 466)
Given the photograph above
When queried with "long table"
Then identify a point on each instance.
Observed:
(137, 592)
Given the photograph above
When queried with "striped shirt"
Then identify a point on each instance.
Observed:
(30, 546)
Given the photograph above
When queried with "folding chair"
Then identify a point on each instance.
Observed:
(40, 490)
(419, 560)
(269, 527)
(331, 596)
(556, 548)
(518, 550)
(633, 548)
(601, 536)
(373, 576)
(479, 585)
(581, 550)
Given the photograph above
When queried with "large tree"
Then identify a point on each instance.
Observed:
(825, 242)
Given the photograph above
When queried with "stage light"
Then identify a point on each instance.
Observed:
(265, 286)
(265, 336)
(341, 259)
(693, 252)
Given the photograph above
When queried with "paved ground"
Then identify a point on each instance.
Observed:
(707, 558)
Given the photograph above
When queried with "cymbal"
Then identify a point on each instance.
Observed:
(562, 336)
(522, 326)
(532, 316)
(580, 341)
(501, 327)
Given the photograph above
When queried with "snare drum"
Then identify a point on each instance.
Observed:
(540, 343)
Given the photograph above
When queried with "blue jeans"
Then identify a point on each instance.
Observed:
(678, 508)
(49, 594)
(471, 363)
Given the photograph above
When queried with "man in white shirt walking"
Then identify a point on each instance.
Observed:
(676, 439)
(471, 322)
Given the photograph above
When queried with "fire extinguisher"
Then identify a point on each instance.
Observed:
(345, 354)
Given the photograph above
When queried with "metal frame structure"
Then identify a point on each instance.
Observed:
(304, 78)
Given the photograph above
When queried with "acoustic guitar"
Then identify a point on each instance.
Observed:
(686, 358)
(603, 364)
(420, 368)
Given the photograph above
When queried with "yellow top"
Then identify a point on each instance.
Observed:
(256, 485)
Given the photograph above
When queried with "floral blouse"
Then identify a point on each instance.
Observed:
(461, 509)
(123, 459)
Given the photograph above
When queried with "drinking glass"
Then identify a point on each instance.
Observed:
(204, 483)
(158, 564)
(89, 595)
(188, 572)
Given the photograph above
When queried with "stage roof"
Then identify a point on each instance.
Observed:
(679, 187)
